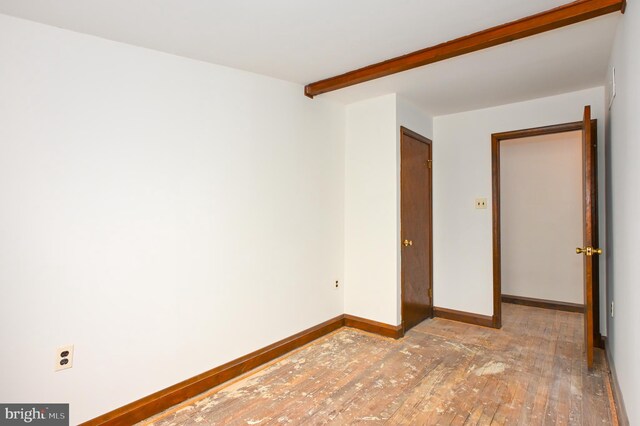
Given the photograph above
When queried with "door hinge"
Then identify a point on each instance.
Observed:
(431, 293)
(429, 163)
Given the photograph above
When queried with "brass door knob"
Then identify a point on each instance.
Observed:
(407, 243)
(588, 251)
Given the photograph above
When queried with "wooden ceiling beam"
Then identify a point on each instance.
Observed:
(552, 19)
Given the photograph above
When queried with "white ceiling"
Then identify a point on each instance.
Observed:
(303, 41)
(564, 60)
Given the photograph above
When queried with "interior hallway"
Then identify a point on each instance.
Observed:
(531, 372)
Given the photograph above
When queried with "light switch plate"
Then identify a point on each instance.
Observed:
(481, 203)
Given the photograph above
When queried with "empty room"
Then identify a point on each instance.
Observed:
(296, 212)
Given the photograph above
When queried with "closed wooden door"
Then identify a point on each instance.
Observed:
(416, 228)
(590, 249)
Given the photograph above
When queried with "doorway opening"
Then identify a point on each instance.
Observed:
(526, 258)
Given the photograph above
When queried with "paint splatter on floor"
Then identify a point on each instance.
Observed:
(490, 368)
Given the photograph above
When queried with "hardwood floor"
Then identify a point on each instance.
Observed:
(531, 372)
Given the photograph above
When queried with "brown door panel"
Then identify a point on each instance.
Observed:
(590, 229)
(416, 228)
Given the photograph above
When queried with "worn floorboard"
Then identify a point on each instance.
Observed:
(531, 372)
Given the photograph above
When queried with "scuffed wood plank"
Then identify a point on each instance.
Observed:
(530, 372)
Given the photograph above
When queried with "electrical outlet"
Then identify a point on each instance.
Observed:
(611, 309)
(481, 203)
(337, 284)
(64, 358)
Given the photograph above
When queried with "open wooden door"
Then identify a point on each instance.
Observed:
(416, 228)
(590, 235)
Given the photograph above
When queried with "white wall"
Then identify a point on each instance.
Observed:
(372, 204)
(413, 118)
(162, 214)
(541, 217)
(623, 202)
(462, 172)
(370, 210)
